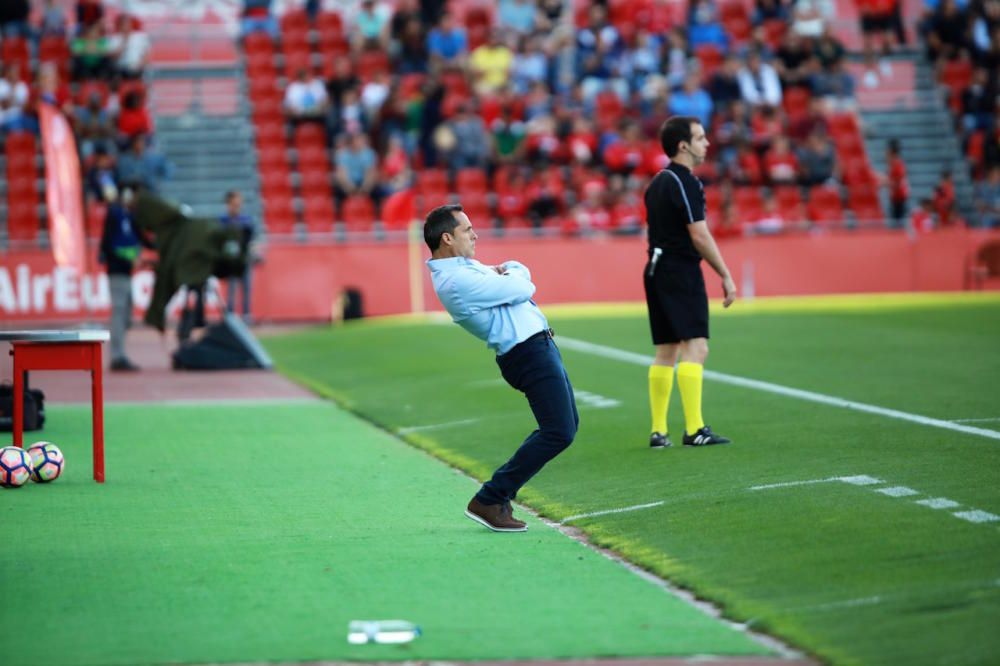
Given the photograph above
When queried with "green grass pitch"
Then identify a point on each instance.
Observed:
(856, 574)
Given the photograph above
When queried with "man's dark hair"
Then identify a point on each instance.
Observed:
(674, 130)
(230, 195)
(440, 221)
(894, 146)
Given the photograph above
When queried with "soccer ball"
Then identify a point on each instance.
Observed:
(46, 461)
(15, 467)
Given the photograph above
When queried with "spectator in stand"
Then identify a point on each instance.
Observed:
(946, 31)
(549, 15)
(582, 141)
(257, 17)
(129, 48)
(831, 82)
(794, 61)
(133, 119)
(530, 66)
(49, 88)
(342, 79)
(724, 86)
(397, 174)
(692, 100)
(704, 27)
(390, 120)
(817, 160)
(14, 19)
(356, 168)
(235, 217)
(746, 168)
(899, 186)
(306, 99)
(13, 90)
(591, 215)
(644, 58)
(730, 127)
(944, 199)
(100, 179)
(91, 51)
(978, 102)
(813, 120)
(598, 37)
(371, 26)
(53, 22)
(769, 10)
(517, 16)
(986, 199)
(625, 156)
(88, 13)
(405, 11)
(780, 164)
(922, 219)
(142, 165)
(771, 220)
(508, 138)
(472, 141)
(766, 123)
(93, 126)
(878, 28)
(411, 50)
(759, 82)
(447, 42)
(810, 17)
(374, 93)
(490, 64)
(678, 54)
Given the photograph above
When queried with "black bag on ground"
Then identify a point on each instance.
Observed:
(34, 408)
(228, 345)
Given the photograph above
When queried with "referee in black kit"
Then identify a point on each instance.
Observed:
(675, 288)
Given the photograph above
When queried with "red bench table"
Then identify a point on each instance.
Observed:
(60, 350)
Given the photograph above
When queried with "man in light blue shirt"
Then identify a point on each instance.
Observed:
(494, 304)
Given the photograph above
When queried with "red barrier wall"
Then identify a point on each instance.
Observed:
(301, 282)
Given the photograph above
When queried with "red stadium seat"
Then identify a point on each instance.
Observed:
(710, 56)
(714, 201)
(22, 143)
(789, 202)
(470, 181)
(477, 206)
(748, 204)
(258, 42)
(309, 134)
(370, 63)
(864, 203)
(825, 206)
(357, 212)
(329, 22)
(318, 214)
(15, 49)
(279, 215)
(433, 183)
(22, 221)
(314, 183)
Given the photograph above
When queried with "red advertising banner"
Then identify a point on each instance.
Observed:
(63, 193)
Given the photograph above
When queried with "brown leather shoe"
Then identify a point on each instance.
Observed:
(497, 517)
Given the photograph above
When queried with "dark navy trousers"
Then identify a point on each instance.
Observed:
(535, 368)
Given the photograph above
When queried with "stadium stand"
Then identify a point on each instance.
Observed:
(564, 120)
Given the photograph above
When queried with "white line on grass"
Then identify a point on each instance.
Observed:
(992, 419)
(637, 507)
(645, 360)
(859, 480)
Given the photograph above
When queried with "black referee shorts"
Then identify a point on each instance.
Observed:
(677, 301)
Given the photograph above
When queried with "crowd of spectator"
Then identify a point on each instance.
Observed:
(962, 41)
(91, 72)
(530, 92)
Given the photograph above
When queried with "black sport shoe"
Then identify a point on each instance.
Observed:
(658, 441)
(704, 437)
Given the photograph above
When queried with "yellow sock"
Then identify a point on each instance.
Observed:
(661, 382)
(689, 383)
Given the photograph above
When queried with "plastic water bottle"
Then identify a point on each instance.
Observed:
(360, 632)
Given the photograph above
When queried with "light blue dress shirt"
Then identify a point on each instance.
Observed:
(493, 307)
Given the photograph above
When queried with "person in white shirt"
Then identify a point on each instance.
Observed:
(129, 47)
(759, 83)
(306, 98)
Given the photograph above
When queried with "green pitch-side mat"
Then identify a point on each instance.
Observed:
(247, 533)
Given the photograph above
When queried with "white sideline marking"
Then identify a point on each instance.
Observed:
(788, 484)
(989, 420)
(859, 480)
(976, 516)
(435, 426)
(645, 360)
(897, 491)
(609, 511)
(938, 503)
(595, 400)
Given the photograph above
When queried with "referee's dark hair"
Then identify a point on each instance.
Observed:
(440, 221)
(674, 130)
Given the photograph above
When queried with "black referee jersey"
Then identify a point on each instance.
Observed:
(674, 198)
